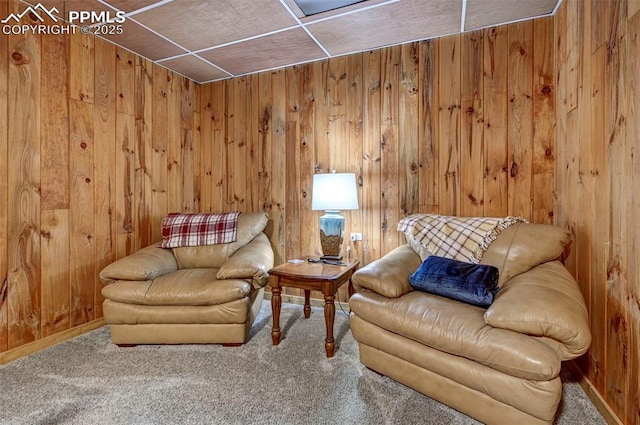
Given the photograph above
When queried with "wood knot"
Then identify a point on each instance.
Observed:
(548, 152)
(522, 51)
(514, 170)
(546, 90)
(87, 180)
(83, 145)
(19, 58)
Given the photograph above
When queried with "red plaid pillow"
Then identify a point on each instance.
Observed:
(185, 229)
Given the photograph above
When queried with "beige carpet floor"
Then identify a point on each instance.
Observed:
(88, 380)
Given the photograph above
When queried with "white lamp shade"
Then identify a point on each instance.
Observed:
(334, 192)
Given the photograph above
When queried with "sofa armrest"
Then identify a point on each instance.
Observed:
(145, 264)
(252, 261)
(544, 302)
(389, 275)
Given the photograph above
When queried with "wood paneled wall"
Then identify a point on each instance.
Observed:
(598, 180)
(96, 146)
(442, 126)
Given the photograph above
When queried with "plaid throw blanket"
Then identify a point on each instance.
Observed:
(460, 238)
(183, 229)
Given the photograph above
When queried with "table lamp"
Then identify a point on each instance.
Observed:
(333, 192)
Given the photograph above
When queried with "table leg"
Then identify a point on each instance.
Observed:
(276, 304)
(307, 303)
(329, 316)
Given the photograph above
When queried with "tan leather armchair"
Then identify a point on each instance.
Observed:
(203, 294)
(499, 365)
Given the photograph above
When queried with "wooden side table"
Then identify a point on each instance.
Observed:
(321, 277)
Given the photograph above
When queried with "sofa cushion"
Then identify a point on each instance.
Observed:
(195, 229)
(544, 302)
(188, 287)
(459, 329)
(470, 283)
(249, 226)
(523, 246)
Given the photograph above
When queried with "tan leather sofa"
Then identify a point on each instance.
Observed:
(203, 294)
(499, 365)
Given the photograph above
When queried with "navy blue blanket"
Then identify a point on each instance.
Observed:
(475, 284)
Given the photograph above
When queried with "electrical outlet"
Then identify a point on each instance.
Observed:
(356, 236)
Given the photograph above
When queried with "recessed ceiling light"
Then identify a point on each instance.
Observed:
(313, 7)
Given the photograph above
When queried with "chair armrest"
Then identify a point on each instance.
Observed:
(145, 264)
(252, 261)
(389, 275)
(544, 302)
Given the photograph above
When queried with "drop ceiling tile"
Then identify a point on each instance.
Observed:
(144, 42)
(203, 24)
(280, 49)
(194, 68)
(130, 5)
(486, 13)
(388, 24)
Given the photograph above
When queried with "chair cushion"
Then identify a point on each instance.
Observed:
(459, 329)
(521, 247)
(187, 287)
(249, 226)
(470, 283)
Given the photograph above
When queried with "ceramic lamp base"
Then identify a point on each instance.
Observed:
(331, 234)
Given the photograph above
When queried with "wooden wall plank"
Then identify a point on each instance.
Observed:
(582, 243)
(251, 181)
(125, 185)
(633, 209)
(237, 148)
(544, 120)
(197, 149)
(55, 122)
(104, 176)
(82, 237)
(495, 107)
(520, 121)
(278, 158)
(309, 236)
(390, 149)
(219, 160)
(617, 284)
(292, 166)
(125, 81)
(600, 207)
(408, 129)
(371, 158)
(264, 142)
(354, 118)
(143, 112)
(159, 147)
(81, 68)
(472, 161)
(428, 127)
(55, 271)
(24, 177)
(174, 141)
(4, 196)
(449, 69)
